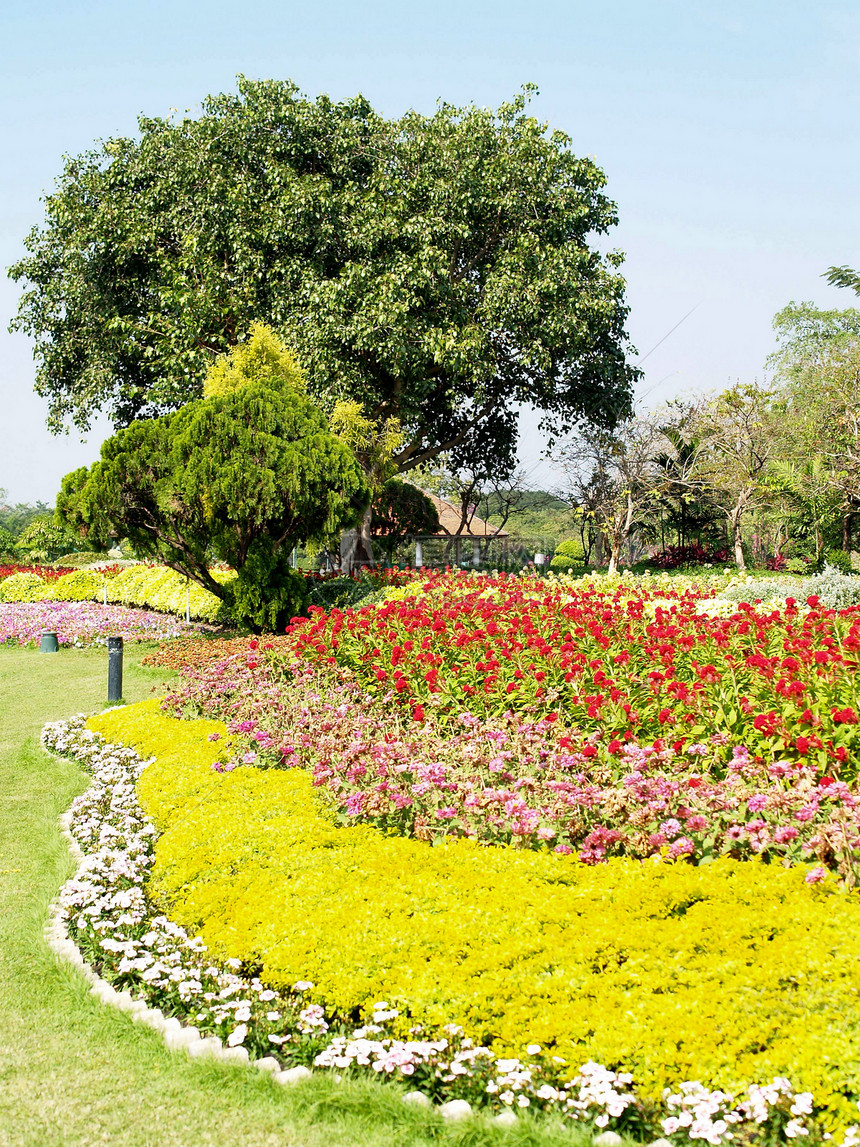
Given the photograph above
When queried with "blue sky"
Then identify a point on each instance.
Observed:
(727, 131)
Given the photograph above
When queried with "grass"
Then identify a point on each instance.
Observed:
(75, 1072)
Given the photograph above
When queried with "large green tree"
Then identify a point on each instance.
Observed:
(437, 269)
(240, 476)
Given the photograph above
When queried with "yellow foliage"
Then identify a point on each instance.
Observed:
(262, 359)
(157, 587)
(728, 973)
(373, 442)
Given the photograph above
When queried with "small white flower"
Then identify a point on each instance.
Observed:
(237, 1036)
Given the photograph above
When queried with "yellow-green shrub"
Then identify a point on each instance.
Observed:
(729, 973)
(82, 585)
(24, 587)
(157, 587)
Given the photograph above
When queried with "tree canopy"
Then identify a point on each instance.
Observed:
(436, 269)
(239, 477)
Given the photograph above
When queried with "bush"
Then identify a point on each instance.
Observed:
(797, 566)
(694, 554)
(767, 589)
(835, 589)
(158, 587)
(563, 564)
(85, 558)
(571, 548)
(24, 587)
(267, 593)
(82, 585)
(836, 559)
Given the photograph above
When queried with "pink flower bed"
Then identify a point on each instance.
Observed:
(84, 623)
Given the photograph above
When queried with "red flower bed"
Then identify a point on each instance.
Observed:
(604, 663)
(49, 573)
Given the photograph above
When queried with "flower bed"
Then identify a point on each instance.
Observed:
(84, 623)
(730, 972)
(754, 753)
(46, 573)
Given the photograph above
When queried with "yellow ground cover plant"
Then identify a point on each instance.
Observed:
(725, 973)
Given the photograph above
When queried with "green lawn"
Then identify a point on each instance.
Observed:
(73, 1071)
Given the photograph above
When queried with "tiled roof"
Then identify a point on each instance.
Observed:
(450, 519)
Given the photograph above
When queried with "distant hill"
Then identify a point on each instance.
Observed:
(536, 514)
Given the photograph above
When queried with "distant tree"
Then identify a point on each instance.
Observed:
(240, 476)
(822, 411)
(611, 477)
(16, 518)
(808, 336)
(44, 539)
(738, 434)
(437, 269)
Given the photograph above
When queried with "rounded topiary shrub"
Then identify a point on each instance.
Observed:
(82, 585)
(571, 548)
(24, 587)
(562, 564)
(83, 558)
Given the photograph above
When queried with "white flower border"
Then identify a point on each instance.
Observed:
(106, 895)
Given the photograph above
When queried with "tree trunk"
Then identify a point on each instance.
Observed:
(356, 546)
(735, 523)
(619, 536)
(846, 532)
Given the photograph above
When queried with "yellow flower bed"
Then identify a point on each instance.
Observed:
(728, 973)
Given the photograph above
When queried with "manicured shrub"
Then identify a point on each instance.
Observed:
(24, 587)
(85, 558)
(82, 585)
(157, 587)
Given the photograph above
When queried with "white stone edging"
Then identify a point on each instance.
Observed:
(176, 1036)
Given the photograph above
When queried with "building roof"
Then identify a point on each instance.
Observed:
(450, 520)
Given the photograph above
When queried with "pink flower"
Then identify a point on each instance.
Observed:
(683, 846)
(785, 835)
(816, 875)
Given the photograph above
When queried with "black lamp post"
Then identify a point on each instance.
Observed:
(114, 669)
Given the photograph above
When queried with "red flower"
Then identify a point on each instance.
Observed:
(418, 713)
(844, 716)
